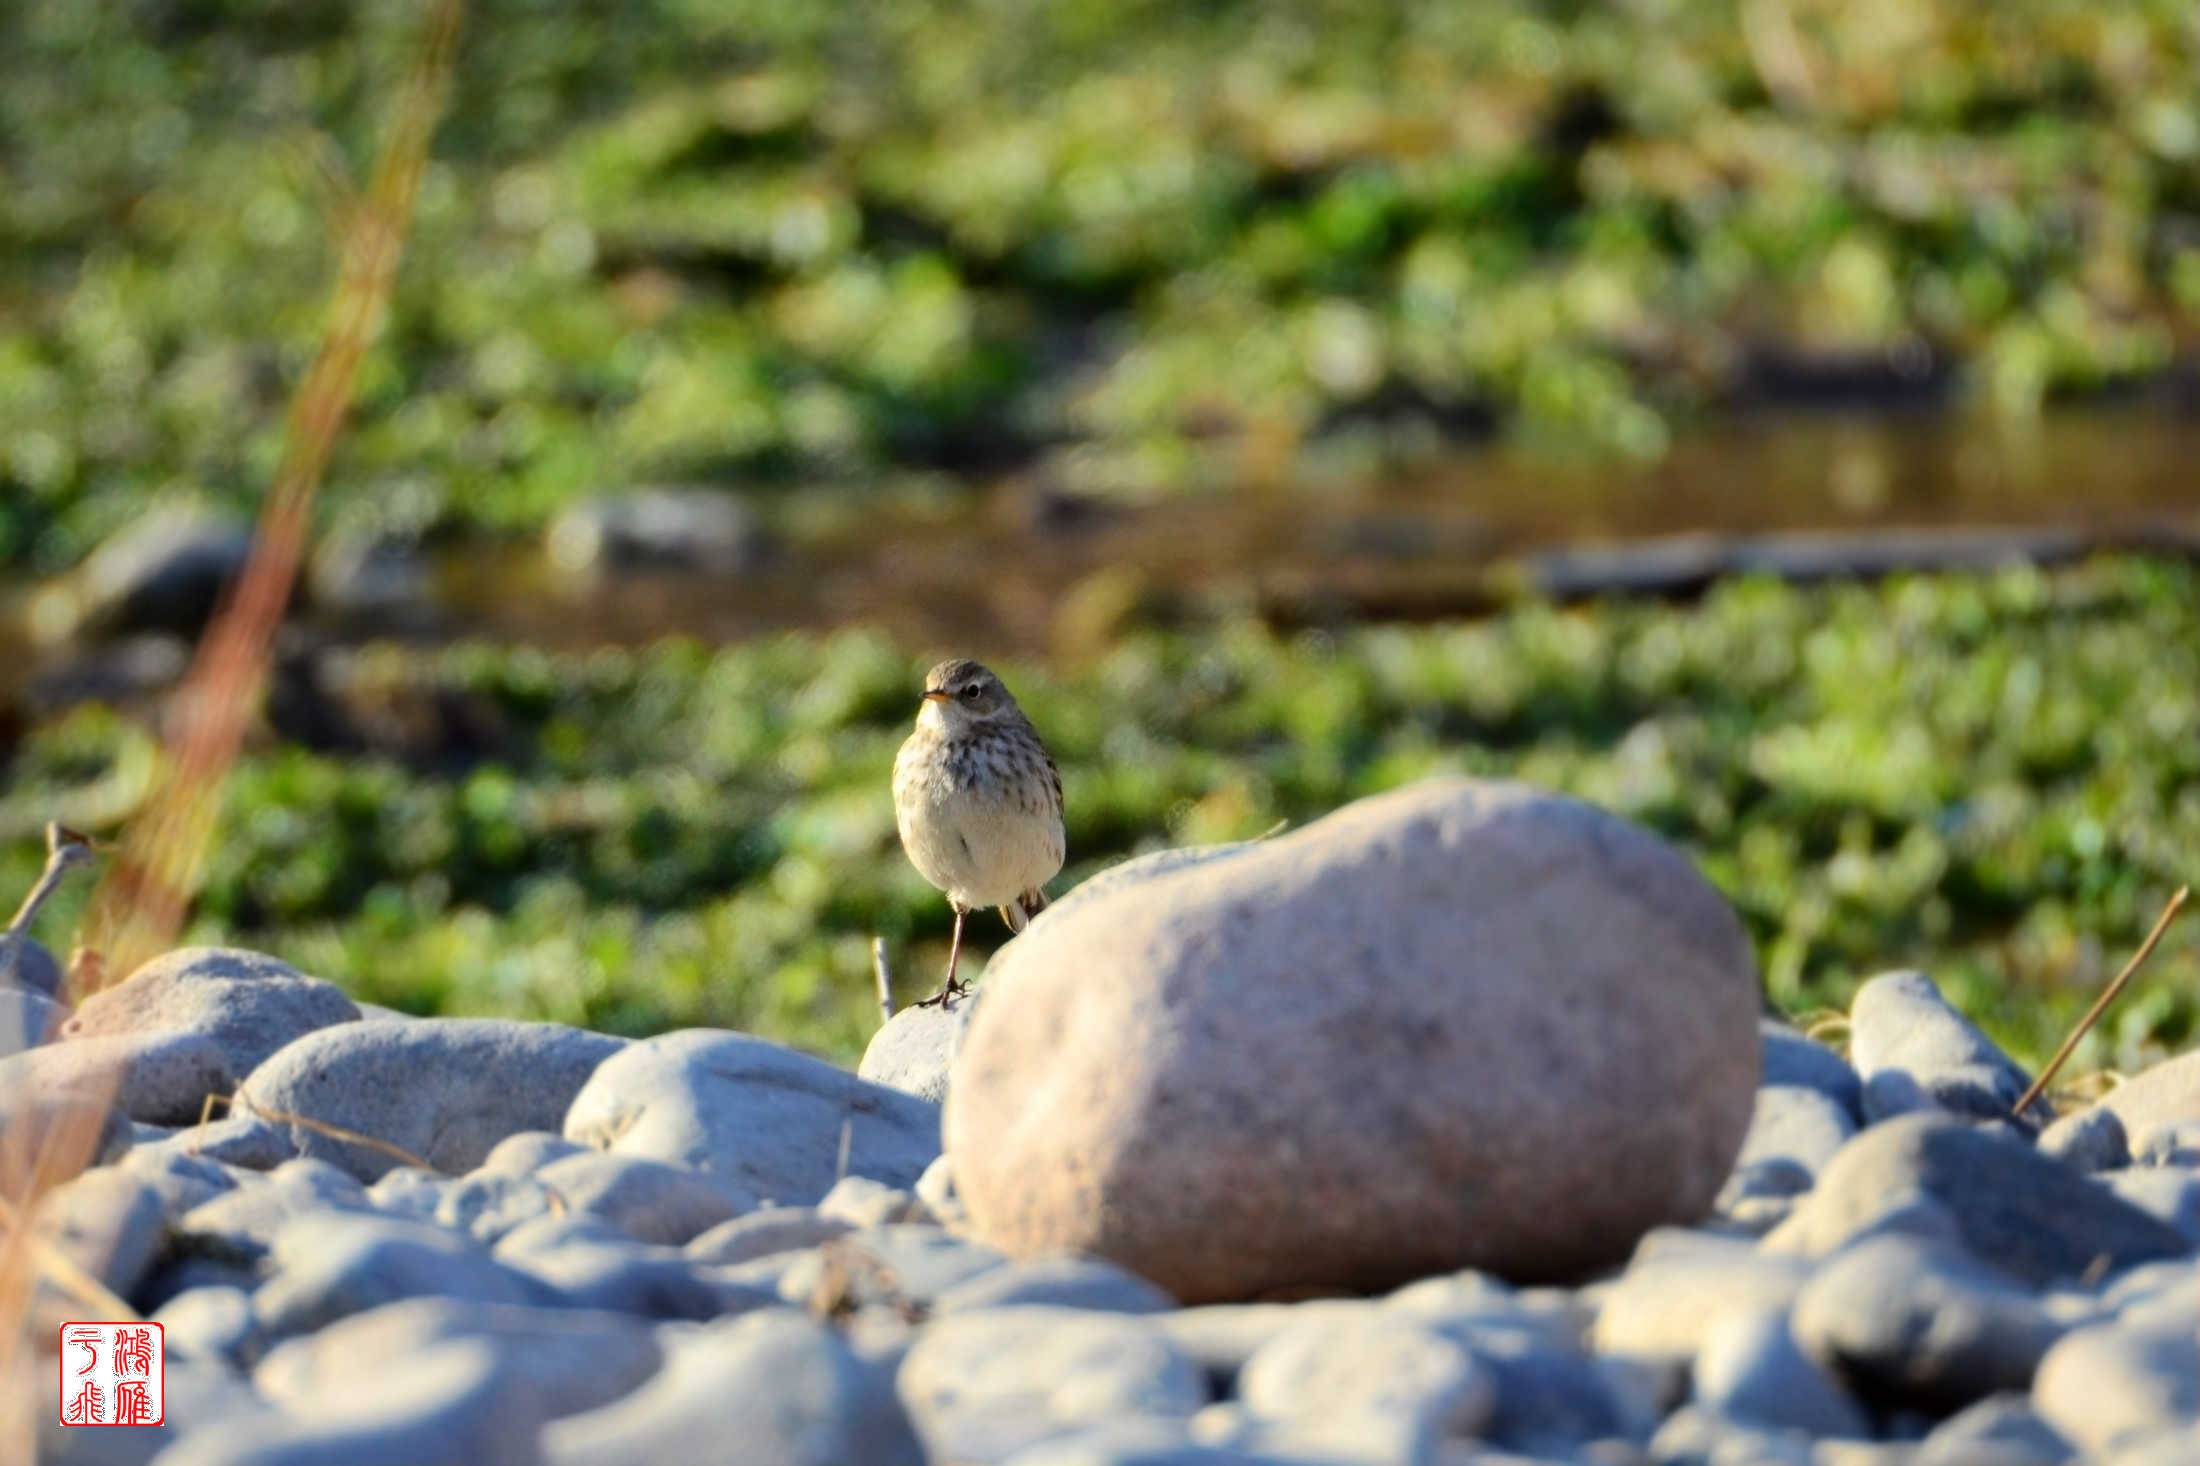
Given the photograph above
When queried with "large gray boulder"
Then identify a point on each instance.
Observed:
(1462, 1024)
(248, 1003)
(755, 1115)
(445, 1091)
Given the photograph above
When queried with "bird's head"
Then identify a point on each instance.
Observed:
(962, 694)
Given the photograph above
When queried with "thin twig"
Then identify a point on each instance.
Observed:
(883, 975)
(2108, 995)
(65, 851)
(241, 1100)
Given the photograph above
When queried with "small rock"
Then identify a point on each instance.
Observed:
(1221, 1337)
(2020, 1211)
(1058, 1282)
(240, 1225)
(577, 1359)
(216, 1322)
(648, 1200)
(1496, 1086)
(1552, 1402)
(1138, 1441)
(1796, 1060)
(2109, 1387)
(445, 1091)
(1900, 1024)
(409, 1191)
(2169, 1193)
(108, 1223)
(2176, 1143)
(905, 1267)
(527, 1152)
(248, 1003)
(162, 1078)
(1795, 1124)
(1695, 1436)
(1916, 1323)
(328, 1267)
(1378, 1363)
(590, 1265)
(459, 1403)
(771, 1232)
(2000, 1430)
(1681, 1286)
(2091, 1139)
(752, 1113)
(163, 572)
(238, 1140)
(915, 1048)
(26, 965)
(1752, 1370)
(488, 1206)
(182, 1181)
(863, 1202)
(980, 1386)
(27, 1019)
(775, 1385)
(2167, 1093)
(700, 531)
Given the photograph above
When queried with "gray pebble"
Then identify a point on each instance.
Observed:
(771, 1232)
(2090, 1139)
(1900, 1027)
(1752, 1370)
(776, 1386)
(1911, 1322)
(1058, 1282)
(330, 1267)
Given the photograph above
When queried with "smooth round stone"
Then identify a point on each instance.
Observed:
(158, 1078)
(247, 1003)
(328, 1267)
(1911, 1322)
(648, 1200)
(2089, 1140)
(772, 1232)
(1057, 1282)
(773, 1386)
(2025, 1213)
(913, 1050)
(1372, 1363)
(981, 1385)
(1383, 1046)
(2114, 1385)
(2167, 1093)
(445, 1090)
(1793, 1059)
(1751, 1369)
(752, 1114)
(1900, 1027)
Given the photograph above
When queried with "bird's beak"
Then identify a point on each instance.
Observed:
(936, 695)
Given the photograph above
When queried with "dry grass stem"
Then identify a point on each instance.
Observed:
(140, 905)
(883, 975)
(241, 1100)
(2093, 1014)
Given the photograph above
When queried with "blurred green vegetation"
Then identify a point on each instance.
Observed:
(1152, 246)
(1997, 778)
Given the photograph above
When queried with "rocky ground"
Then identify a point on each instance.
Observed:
(1444, 1130)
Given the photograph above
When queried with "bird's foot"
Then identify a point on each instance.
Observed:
(954, 989)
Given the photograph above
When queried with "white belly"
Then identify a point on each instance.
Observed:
(982, 851)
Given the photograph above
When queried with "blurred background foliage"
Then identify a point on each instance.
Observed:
(863, 256)
(1154, 246)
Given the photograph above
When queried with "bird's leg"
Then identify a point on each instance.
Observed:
(952, 989)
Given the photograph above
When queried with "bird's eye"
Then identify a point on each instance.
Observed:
(971, 692)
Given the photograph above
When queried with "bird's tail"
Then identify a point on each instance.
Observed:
(1018, 913)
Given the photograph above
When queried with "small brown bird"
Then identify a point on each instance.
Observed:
(978, 801)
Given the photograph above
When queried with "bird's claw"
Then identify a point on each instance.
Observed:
(953, 989)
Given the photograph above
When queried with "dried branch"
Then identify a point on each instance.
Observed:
(883, 975)
(2108, 995)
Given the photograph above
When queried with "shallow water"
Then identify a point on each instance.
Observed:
(999, 576)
